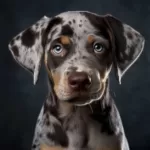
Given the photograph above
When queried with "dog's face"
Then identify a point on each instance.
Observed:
(79, 57)
(79, 50)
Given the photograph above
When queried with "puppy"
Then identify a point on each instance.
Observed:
(79, 49)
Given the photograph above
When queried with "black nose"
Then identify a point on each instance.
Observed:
(79, 81)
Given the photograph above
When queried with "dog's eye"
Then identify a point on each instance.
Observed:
(98, 47)
(57, 49)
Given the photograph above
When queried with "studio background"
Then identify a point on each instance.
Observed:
(21, 101)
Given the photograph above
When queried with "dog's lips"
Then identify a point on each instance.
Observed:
(77, 97)
(83, 99)
(74, 95)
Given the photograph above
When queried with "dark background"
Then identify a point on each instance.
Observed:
(21, 101)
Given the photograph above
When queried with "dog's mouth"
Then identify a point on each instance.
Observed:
(85, 99)
(81, 98)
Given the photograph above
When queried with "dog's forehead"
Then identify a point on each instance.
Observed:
(78, 21)
(74, 17)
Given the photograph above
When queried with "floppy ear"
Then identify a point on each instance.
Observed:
(127, 43)
(27, 48)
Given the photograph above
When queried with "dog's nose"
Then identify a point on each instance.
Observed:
(79, 81)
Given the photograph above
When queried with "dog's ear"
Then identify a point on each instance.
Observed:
(27, 48)
(127, 44)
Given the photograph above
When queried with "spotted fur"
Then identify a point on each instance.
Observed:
(90, 121)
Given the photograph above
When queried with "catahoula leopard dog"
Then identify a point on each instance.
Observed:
(79, 49)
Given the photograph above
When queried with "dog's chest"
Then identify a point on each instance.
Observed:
(86, 133)
(101, 140)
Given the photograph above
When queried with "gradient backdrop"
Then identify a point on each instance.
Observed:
(20, 101)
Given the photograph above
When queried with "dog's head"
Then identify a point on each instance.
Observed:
(79, 49)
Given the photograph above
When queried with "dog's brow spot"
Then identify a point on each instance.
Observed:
(69, 22)
(28, 37)
(85, 31)
(78, 38)
(84, 57)
(15, 50)
(65, 40)
(80, 20)
(80, 25)
(130, 36)
(67, 30)
(90, 39)
(74, 21)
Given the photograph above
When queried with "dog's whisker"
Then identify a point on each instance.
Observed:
(91, 108)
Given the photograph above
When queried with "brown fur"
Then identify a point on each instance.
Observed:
(90, 39)
(65, 40)
(45, 147)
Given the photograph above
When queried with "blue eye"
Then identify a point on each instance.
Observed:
(98, 47)
(57, 49)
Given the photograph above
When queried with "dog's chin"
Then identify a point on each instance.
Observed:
(87, 100)
(82, 99)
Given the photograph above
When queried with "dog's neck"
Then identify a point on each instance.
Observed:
(63, 109)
